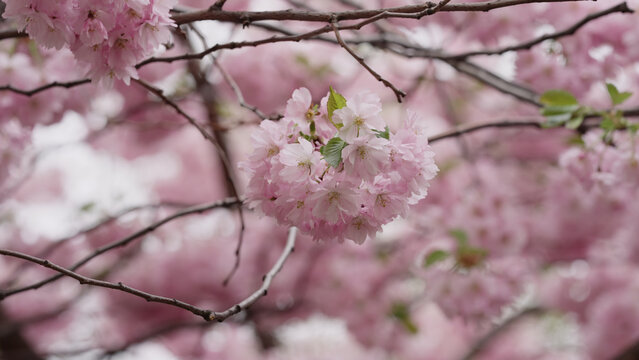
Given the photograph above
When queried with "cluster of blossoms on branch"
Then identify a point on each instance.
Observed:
(335, 170)
(108, 37)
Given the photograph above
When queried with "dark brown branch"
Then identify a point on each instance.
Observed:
(218, 5)
(240, 97)
(266, 283)
(465, 129)
(619, 8)
(55, 244)
(630, 353)
(495, 332)
(237, 45)
(31, 92)
(12, 34)
(207, 315)
(207, 93)
(493, 80)
(411, 11)
(125, 241)
(399, 94)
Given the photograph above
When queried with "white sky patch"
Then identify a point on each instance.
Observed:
(600, 53)
(93, 184)
(71, 129)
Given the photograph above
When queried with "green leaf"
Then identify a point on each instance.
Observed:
(87, 207)
(607, 124)
(459, 235)
(312, 127)
(435, 257)
(335, 101)
(575, 122)
(558, 98)
(307, 137)
(401, 312)
(383, 134)
(332, 151)
(617, 97)
(469, 257)
(554, 110)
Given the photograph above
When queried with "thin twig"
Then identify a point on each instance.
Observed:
(55, 244)
(465, 129)
(207, 315)
(495, 332)
(399, 94)
(619, 8)
(84, 280)
(266, 283)
(31, 92)
(240, 97)
(12, 34)
(125, 241)
(412, 11)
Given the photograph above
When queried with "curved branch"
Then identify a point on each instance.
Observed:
(207, 315)
(410, 11)
(465, 129)
(123, 242)
(266, 281)
(12, 34)
(31, 92)
(619, 8)
(399, 94)
(84, 280)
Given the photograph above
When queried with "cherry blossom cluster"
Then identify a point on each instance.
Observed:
(334, 170)
(108, 37)
(598, 163)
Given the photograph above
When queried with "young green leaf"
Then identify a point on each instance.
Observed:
(575, 122)
(435, 257)
(335, 101)
(459, 235)
(617, 97)
(332, 151)
(383, 134)
(558, 98)
(401, 312)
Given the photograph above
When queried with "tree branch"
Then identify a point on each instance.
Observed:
(123, 242)
(495, 332)
(410, 11)
(399, 94)
(240, 97)
(266, 282)
(469, 128)
(84, 280)
(207, 315)
(31, 92)
(12, 34)
(619, 8)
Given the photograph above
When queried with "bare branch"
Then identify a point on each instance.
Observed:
(399, 94)
(495, 332)
(240, 97)
(55, 244)
(123, 242)
(266, 283)
(619, 8)
(497, 82)
(12, 34)
(411, 11)
(465, 129)
(207, 315)
(31, 92)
